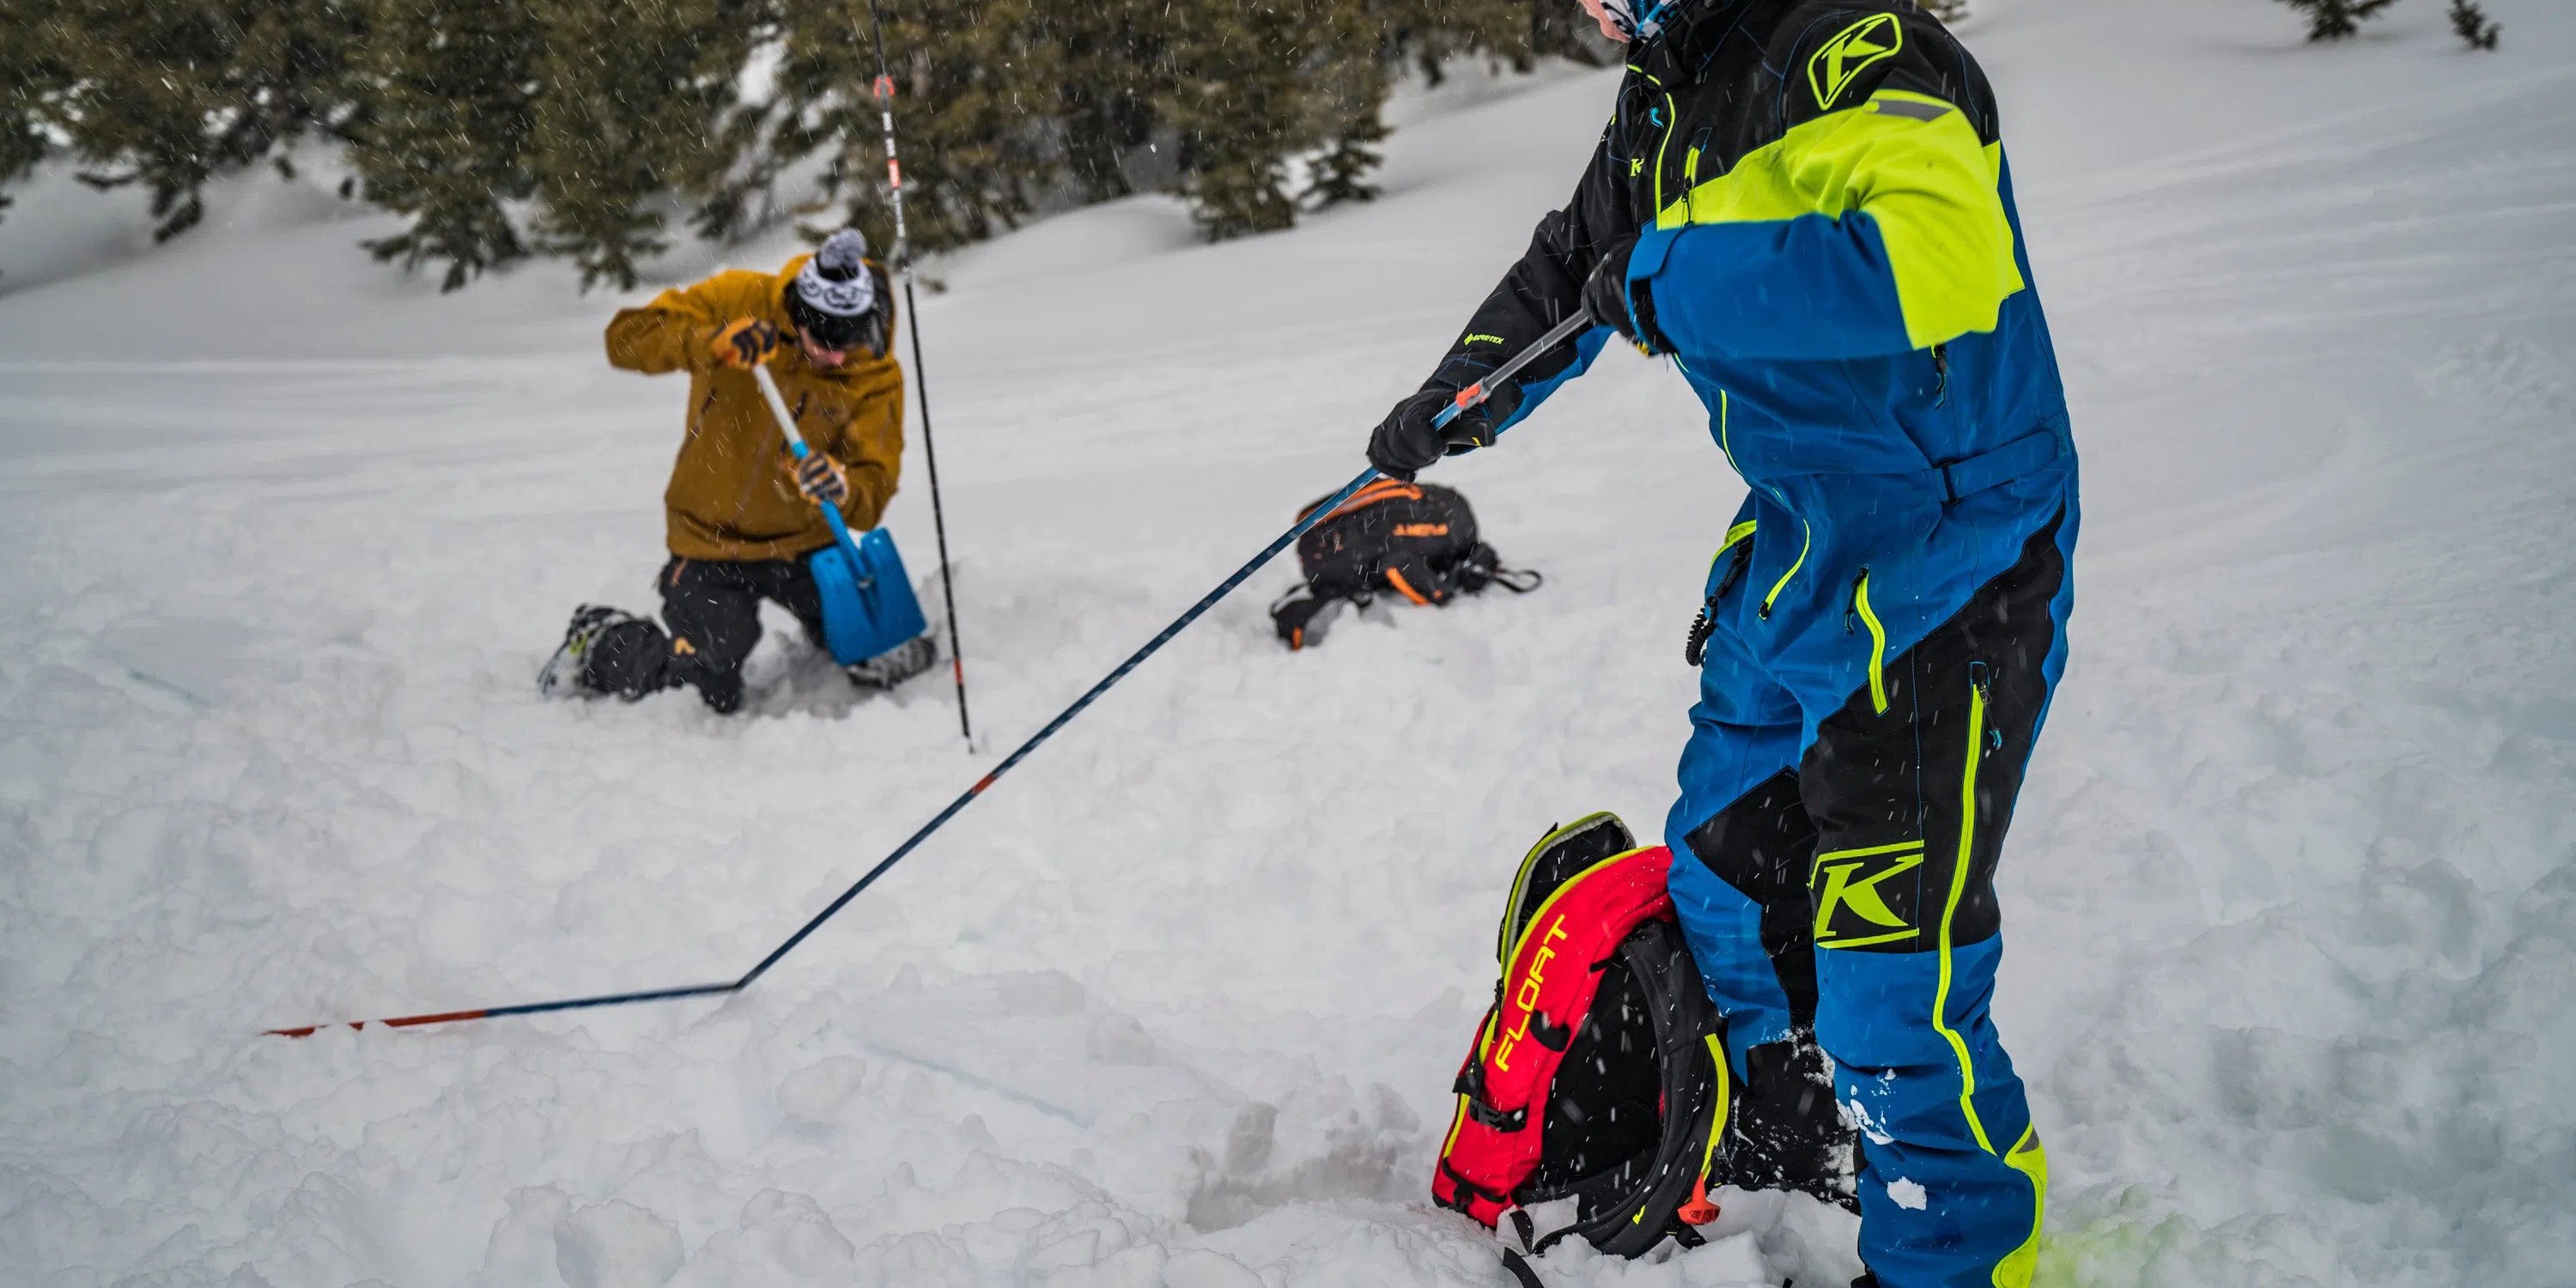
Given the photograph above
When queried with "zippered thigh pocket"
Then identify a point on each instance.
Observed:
(1877, 641)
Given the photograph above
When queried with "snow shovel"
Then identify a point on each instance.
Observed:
(868, 604)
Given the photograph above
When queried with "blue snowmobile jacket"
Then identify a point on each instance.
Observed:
(1827, 240)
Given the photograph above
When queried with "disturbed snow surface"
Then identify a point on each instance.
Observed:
(2291, 903)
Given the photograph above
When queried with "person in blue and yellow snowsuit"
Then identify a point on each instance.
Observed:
(1805, 204)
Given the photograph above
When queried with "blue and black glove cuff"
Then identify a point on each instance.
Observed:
(1500, 400)
(1622, 304)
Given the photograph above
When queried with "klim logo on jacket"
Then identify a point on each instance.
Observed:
(1846, 56)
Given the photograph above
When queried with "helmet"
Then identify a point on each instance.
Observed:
(1640, 19)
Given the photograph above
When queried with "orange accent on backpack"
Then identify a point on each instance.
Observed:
(1382, 490)
(1699, 1210)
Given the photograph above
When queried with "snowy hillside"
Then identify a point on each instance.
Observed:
(2290, 905)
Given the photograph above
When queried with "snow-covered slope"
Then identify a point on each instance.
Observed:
(2291, 906)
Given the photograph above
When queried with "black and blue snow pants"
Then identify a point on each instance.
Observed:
(1869, 698)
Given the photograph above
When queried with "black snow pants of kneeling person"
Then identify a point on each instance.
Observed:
(712, 607)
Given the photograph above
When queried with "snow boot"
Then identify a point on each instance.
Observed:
(597, 655)
(895, 665)
(1787, 1133)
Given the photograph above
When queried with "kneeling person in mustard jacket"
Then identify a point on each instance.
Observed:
(743, 515)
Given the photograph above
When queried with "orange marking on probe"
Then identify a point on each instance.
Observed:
(441, 1018)
(398, 1022)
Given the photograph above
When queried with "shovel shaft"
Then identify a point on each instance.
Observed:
(778, 411)
(796, 443)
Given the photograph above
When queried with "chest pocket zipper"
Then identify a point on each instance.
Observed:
(1877, 641)
(1690, 177)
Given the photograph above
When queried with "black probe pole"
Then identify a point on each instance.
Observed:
(920, 379)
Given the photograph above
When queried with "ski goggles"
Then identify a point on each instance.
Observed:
(1641, 19)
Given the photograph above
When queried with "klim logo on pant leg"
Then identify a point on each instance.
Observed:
(1852, 889)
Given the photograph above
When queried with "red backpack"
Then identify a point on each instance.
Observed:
(1597, 1075)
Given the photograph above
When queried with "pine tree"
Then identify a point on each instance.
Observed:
(737, 192)
(172, 94)
(451, 88)
(31, 78)
(1237, 102)
(2470, 23)
(973, 89)
(631, 103)
(1116, 65)
(581, 128)
(1513, 33)
(1563, 31)
(2337, 19)
(1429, 32)
(1341, 173)
(1345, 98)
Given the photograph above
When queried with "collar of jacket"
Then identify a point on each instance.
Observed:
(1690, 38)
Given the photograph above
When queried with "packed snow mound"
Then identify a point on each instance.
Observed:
(2291, 902)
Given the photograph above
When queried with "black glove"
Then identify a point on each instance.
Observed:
(1406, 441)
(1301, 617)
(1626, 306)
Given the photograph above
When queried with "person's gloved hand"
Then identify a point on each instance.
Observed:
(822, 480)
(744, 343)
(1625, 306)
(1405, 441)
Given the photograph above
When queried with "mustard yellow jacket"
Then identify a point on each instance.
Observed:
(731, 494)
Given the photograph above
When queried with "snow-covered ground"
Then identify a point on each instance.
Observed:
(2291, 907)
